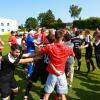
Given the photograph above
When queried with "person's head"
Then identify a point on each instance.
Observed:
(36, 35)
(32, 32)
(67, 37)
(51, 36)
(77, 33)
(43, 30)
(24, 35)
(59, 35)
(75, 29)
(97, 37)
(98, 30)
(87, 32)
(12, 33)
(16, 50)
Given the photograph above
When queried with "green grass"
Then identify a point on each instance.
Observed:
(85, 86)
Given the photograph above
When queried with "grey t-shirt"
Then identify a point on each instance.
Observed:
(70, 60)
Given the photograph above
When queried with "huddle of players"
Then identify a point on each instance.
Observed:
(53, 49)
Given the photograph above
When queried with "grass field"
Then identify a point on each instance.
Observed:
(85, 86)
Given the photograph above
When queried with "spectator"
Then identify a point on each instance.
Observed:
(12, 40)
(70, 61)
(77, 43)
(89, 50)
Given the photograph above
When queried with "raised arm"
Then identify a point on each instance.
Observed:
(26, 60)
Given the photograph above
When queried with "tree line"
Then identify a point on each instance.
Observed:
(47, 19)
(90, 23)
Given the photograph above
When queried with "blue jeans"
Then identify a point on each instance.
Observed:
(30, 65)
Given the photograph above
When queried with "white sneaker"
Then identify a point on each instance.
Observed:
(28, 75)
(25, 97)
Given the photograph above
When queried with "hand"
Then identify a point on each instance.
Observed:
(58, 72)
(81, 47)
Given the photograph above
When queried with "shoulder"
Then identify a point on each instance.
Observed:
(5, 58)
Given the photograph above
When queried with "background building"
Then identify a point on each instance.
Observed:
(7, 25)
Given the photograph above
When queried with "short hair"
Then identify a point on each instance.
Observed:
(50, 37)
(77, 33)
(12, 32)
(16, 46)
(58, 34)
(67, 37)
(87, 31)
(29, 30)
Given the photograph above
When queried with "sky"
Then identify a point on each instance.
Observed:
(20, 10)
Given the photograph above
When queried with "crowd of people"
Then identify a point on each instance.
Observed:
(53, 53)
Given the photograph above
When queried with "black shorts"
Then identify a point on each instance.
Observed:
(88, 53)
(78, 54)
(6, 84)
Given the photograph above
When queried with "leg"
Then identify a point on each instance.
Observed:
(46, 96)
(42, 94)
(14, 88)
(28, 88)
(5, 91)
(79, 64)
(92, 63)
(88, 64)
(6, 98)
(14, 93)
(62, 87)
(63, 97)
(30, 69)
(71, 73)
(49, 86)
(98, 60)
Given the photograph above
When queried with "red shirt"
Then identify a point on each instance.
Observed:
(43, 37)
(13, 40)
(58, 54)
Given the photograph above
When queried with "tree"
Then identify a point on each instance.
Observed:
(21, 27)
(45, 19)
(31, 23)
(41, 18)
(75, 11)
(59, 21)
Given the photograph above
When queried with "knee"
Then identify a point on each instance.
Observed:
(6, 98)
(15, 91)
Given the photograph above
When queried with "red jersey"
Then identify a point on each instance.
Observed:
(58, 54)
(13, 40)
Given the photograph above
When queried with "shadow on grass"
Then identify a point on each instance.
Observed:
(89, 86)
(87, 77)
(86, 95)
(35, 91)
(88, 81)
(71, 98)
(92, 87)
